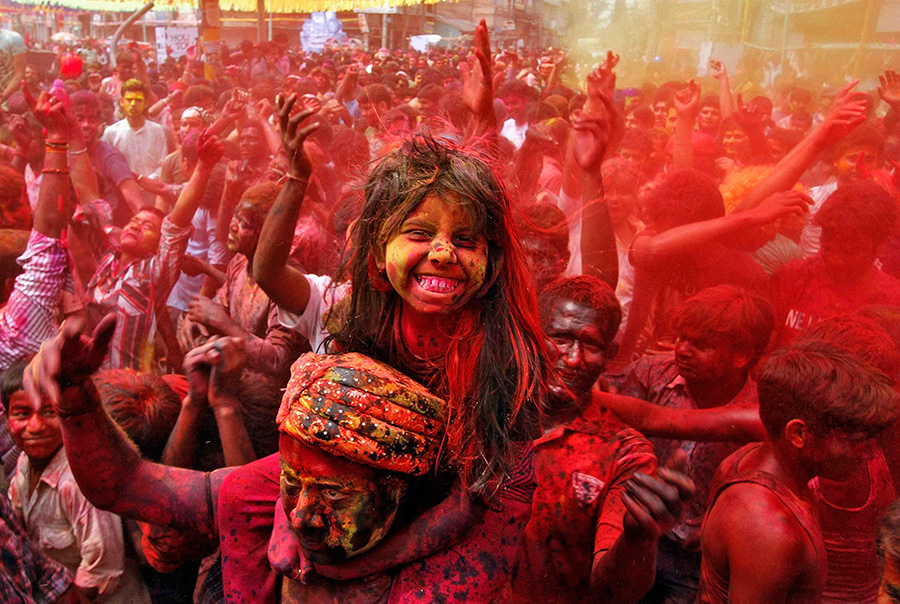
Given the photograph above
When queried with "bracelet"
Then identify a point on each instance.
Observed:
(56, 144)
(79, 152)
(138, 179)
(54, 171)
(54, 150)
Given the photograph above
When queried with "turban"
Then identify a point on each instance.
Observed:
(358, 408)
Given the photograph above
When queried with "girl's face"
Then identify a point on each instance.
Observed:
(435, 260)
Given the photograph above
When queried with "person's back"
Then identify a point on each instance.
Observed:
(741, 487)
(821, 406)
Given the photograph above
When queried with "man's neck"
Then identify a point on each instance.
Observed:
(715, 393)
(136, 122)
(778, 459)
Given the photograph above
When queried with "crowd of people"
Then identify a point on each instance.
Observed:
(405, 327)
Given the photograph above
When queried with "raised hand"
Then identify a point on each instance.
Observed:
(687, 101)
(750, 117)
(601, 81)
(69, 358)
(720, 73)
(292, 136)
(209, 150)
(782, 204)
(655, 505)
(591, 133)
(478, 85)
(848, 111)
(889, 90)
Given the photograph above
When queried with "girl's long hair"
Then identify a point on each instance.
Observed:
(493, 374)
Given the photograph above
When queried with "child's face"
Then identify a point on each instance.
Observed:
(35, 431)
(435, 261)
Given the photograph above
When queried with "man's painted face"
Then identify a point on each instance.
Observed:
(847, 256)
(700, 359)
(15, 213)
(516, 106)
(337, 508)
(545, 262)
(735, 143)
(659, 114)
(709, 119)
(35, 431)
(133, 103)
(252, 145)
(31, 75)
(125, 71)
(140, 236)
(847, 163)
(191, 122)
(398, 128)
(837, 455)
(435, 261)
(243, 233)
(88, 119)
(621, 205)
(576, 331)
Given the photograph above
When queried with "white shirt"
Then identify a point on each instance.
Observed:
(515, 134)
(809, 240)
(311, 324)
(68, 529)
(144, 148)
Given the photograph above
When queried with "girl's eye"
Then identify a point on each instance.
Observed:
(418, 234)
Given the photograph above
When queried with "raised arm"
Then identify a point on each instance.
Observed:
(286, 286)
(731, 423)
(478, 86)
(55, 203)
(726, 101)
(687, 106)
(656, 249)
(847, 112)
(209, 151)
(107, 466)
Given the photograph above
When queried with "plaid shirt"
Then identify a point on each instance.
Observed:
(29, 316)
(136, 293)
(26, 575)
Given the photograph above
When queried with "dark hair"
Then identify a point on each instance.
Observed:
(589, 291)
(258, 200)
(196, 94)
(142, 404)
(709, 101)
(135, 85)
(374, 93)
(11, 380)
(887, 540)
(153, 210)
(433, 92)
(788, 138)
(643, 114)
(547, 222)
(86, 98)
(827, 387)
(727, 315)
(887, 317)
(863, 136)
(863, 337)
(859, 207)
(683, 197)
(517, 88)
(493, 375)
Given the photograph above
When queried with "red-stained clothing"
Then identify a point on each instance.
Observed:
(853, 569)
(713, 586)
(802, 294)
(473, 570)
(577, 511)
(679, 278)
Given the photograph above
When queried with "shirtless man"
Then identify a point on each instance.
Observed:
(820, 406)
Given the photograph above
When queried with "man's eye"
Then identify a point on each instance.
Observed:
(334, 494)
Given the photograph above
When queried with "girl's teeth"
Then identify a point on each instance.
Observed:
(437, 284)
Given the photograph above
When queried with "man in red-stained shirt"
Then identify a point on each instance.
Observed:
(591, 534)
(856, 221)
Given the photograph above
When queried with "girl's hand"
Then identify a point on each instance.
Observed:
(292, 136)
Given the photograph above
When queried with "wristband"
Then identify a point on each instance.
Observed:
(54, 171)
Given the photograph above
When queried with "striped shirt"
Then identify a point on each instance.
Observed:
(29, 316)
(136, 293)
